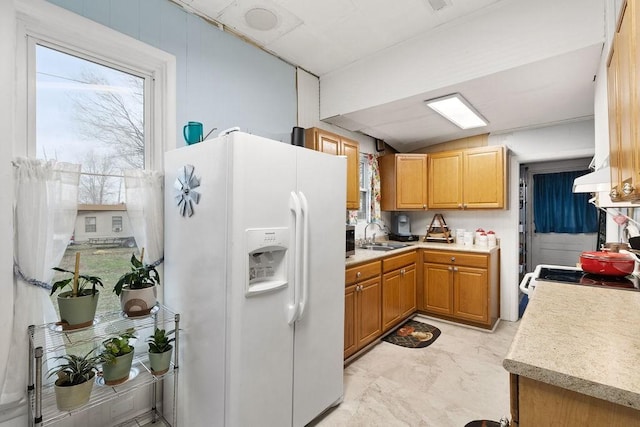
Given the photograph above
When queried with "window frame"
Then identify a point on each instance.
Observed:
(113, 223)
(88, 223)
(364, 163)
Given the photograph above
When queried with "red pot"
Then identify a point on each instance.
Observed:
(607, 263)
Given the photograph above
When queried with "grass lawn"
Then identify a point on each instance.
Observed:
(105, 262)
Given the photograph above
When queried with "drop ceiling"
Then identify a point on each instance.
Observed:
(329, 36)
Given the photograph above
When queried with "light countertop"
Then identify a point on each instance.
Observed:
(364, 255)
(581, 338)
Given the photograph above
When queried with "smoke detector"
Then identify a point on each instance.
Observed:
(438, 5)
(261, 19)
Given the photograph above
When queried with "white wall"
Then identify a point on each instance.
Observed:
(508, 34)
(566, 141)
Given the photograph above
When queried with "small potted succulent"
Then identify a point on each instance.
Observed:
(75, 379)
(117, 358)
(137, 288)
(160, 350)
(77, 306)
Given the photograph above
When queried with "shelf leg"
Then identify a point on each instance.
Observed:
(31, 367)
(37, 420)
(176, 371)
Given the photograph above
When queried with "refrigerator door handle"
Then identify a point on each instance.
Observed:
(305, 254)
(294, 308)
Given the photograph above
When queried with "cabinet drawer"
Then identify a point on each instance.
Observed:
(395, 262)
(361, 272)
(457, 258)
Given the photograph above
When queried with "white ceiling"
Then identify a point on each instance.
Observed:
(326, 36)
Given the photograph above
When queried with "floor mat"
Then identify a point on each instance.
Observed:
(413, 334)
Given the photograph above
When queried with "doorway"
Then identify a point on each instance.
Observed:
(548, 247)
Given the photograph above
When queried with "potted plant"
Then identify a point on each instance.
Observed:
(160, 349)
(77, 306)
(137, 288)
(75, 379)
(117, 358)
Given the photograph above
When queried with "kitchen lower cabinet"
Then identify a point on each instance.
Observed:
(398, 289)
(461, 286)
(363, 306)
(534, 403)
(331, 143)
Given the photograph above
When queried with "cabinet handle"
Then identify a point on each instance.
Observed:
(402, 272)
(627, 189)
(464, 206)
(424, 206)
(459, 205)
(455, 268)
(450, 268)
(358, 274)
(614, 193)
(453, 259)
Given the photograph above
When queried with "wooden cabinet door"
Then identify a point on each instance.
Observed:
(351, 150)
(350, 341)
(614, 122)
(391, 299)
(471, 294)
(484, 178)
(328, 144)
(368, 311)
(445, 180)
(411, 181)
(408, 291)
(437, 292)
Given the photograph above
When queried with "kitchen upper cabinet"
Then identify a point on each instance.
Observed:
(398, 289)
(331, 143)
(363, 306)
(403, 182)
(467, 179)
(623, 89)
(461, 286)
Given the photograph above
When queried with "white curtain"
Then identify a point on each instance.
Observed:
(45, 208)
(145, 207)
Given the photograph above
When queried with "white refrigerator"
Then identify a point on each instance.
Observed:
(254, 262)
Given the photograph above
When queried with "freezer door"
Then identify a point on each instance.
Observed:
(259, 338)
(319, 333)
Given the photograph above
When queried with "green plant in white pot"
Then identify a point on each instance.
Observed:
(160, 350)
(75, 379)
(137, 288)
(117, 357)
(77, 306)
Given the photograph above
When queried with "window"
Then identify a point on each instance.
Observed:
(90, 224)
(116, 224)
(83, 96)
(364, 213)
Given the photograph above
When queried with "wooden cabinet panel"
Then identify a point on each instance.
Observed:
(395, 262)
(369, 313)
(470, 290)
(408, 292)
(438, 290)
(330, 143)
(398, 294)
(445, 180)
(350, 341)
(362, 306)
(403, 182)
(467, 179)
(541, 404)
(461, 286)
(484, 181)
(390, 299)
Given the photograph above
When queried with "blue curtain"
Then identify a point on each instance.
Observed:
(556, 209)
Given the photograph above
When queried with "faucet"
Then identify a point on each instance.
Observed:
(374, 234)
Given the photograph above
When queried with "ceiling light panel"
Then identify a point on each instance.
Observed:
(457, 110)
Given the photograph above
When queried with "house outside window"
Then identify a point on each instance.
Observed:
(90, 224)
(116, 224)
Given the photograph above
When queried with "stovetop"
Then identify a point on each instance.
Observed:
(579, 277)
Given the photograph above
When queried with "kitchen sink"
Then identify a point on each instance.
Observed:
(384, 246)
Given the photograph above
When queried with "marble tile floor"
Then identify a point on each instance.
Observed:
(457, 379)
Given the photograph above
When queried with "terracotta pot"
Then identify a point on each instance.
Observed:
(607, 263)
